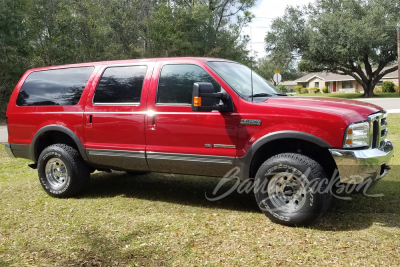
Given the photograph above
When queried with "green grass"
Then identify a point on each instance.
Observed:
(351, 95)
(163, 220)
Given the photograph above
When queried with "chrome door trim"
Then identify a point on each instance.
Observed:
(190, 157)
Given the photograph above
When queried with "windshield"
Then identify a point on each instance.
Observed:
(239, 79)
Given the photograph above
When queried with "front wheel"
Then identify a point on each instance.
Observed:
(291, 189)
(62, 171)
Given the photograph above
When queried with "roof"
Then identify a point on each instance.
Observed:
(128, 61)
(332, 77)
(288, 83)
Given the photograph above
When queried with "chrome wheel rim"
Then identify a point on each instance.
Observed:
(56, 173)
(287, 192)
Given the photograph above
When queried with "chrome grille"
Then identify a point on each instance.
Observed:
(379, 128)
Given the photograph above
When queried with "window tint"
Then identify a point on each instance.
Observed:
(54, 87)
(120, 85)
(175, 84)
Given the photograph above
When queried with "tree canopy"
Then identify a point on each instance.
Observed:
(36, 33)
(352, 37)
(267, 66)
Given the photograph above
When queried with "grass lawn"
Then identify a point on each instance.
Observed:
(351, 95)
(162, 219)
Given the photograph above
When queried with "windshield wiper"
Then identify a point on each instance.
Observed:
(260, 95)
(281, 94)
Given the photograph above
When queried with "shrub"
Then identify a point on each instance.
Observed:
(297, 89)
(378, 89)
(325, 90)
(388, 87)
(314, 90)
(283, 89)
(303, 91)
(396, 88)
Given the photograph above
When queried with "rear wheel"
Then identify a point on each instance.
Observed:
(62, 171)
(292, 189)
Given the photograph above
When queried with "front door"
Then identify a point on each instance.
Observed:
(180, 140)
(115, 117)
(334, 87)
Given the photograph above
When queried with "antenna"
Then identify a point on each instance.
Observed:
(251, 65)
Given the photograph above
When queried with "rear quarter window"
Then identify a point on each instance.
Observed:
(54, 87)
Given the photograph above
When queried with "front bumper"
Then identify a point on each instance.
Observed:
(9, 150)
(359, 166)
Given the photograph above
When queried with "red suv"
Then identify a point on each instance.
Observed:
(197, 116)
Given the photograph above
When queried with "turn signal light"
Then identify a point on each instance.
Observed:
(197, 101)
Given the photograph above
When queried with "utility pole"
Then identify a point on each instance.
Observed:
(398, 53)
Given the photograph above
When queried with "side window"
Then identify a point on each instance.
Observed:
(175, 84)
(120, 85)
(54, 87)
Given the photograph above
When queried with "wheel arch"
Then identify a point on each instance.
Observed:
(284, 142)
(57, 133)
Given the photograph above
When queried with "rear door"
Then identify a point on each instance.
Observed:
(115, 117)
(180, 140)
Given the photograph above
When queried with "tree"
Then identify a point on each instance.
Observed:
(200, 28)
(353, 37)
(15, 50)
(267, 66)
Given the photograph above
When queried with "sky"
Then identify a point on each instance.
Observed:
(265, 11)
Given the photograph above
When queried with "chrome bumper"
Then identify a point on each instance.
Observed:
(356, 166)
(9, 151)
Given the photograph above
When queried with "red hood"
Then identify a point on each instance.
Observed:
(353, 109)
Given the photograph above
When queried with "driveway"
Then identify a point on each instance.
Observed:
(392, 105)
(3, 134)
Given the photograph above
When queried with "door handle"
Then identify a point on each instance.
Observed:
(151, 121)
(89, 120)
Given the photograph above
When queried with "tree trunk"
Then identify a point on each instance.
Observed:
(369, 89)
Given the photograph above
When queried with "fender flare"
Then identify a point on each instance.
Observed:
(244, 162)
(58, 128)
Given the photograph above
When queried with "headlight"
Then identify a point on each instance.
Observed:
(357, 135)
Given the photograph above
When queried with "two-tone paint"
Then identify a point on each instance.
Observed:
(173, 138)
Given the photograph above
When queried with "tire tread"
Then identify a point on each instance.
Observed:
(81, 171)
(316, 169)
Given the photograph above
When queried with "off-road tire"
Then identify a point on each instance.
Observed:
(62, 171)
(298, 198)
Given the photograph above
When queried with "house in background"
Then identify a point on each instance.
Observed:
(339, 83)
(289, 85)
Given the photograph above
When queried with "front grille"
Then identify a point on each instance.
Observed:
(379, 128)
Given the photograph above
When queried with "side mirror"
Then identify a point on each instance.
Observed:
(204, 98)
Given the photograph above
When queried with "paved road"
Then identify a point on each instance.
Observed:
(392, 105)
(3, 134)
